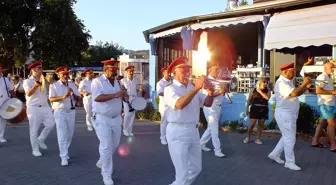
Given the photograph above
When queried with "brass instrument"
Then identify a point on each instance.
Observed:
(219, 83)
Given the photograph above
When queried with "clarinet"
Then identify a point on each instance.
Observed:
(67, 84)
(131, 109)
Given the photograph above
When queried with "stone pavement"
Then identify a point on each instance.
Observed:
(142, 160)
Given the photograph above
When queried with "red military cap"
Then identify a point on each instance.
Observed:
(88, 70)
(289, 66)
(163, 69)
(62, 69)
(129, 68)
(178, 63)
(110, 62)
(0, 66)
(35, 64)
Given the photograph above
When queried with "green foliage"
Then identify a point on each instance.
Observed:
(101, 51)
(156, 116)
(147, 113)
(47, 29)
(157, 100)
(243, 2)
(234, 125)
(306, 119)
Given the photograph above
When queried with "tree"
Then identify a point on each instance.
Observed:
(101, 51)
(47, 28)
(243, 2)
(59, 37)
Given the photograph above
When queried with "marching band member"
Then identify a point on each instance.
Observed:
(212, 115)
(130, 83)
(6, 90)
(286, 113)
(63, 94)
(184, 101)
(85, 90)
(162, 105)
(106, 95)
(38, 108)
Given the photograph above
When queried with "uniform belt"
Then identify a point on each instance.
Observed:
(105, 115)
(184, 125)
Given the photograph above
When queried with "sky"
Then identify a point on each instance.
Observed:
(123, 21)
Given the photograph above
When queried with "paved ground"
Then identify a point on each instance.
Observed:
(144, 161)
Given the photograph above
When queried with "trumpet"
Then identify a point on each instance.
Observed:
(219, 83)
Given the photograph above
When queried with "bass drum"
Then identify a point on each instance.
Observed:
(13, 110)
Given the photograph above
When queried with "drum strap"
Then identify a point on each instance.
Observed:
(6, 87)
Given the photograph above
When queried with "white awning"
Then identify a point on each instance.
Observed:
(214, 23)
(302, 28)
(228, 22)
(168, 32)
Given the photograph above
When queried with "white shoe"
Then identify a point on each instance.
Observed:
(204, 148)
(257, 141)
(126, 134)
(164, 142)
(246, 140)
(3, 140)
(37, 153)
(276, 159)
(108, 181)
(89, 128)
(219, 154)
(42, 145)
(99, 165)
(131, 134)
(64, 162)
(292, 166)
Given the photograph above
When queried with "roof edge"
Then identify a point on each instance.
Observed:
(254, 8)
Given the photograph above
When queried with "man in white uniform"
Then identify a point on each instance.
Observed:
(63, 95)
(212, 115)
(163, 108)
(6, 90)
(107, 95)
(286, 114)
(85, 90)
(184, 101)
(38, 108)
(130, 83)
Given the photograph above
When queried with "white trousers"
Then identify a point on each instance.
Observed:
(3, 123)
(287, 125)
(212, 117)
(65, 126)
(185, 152)
(163, 125)
(128, 119)
(36, 116)
(108, 131)
(87, 102)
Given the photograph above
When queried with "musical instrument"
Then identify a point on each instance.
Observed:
(13, 110)
(137, 103)
(218, 83)
(67, 85)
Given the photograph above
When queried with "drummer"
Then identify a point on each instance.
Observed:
(6, 90)
(63, 95)
(85, 90)
(38, 108)
(130, 83)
